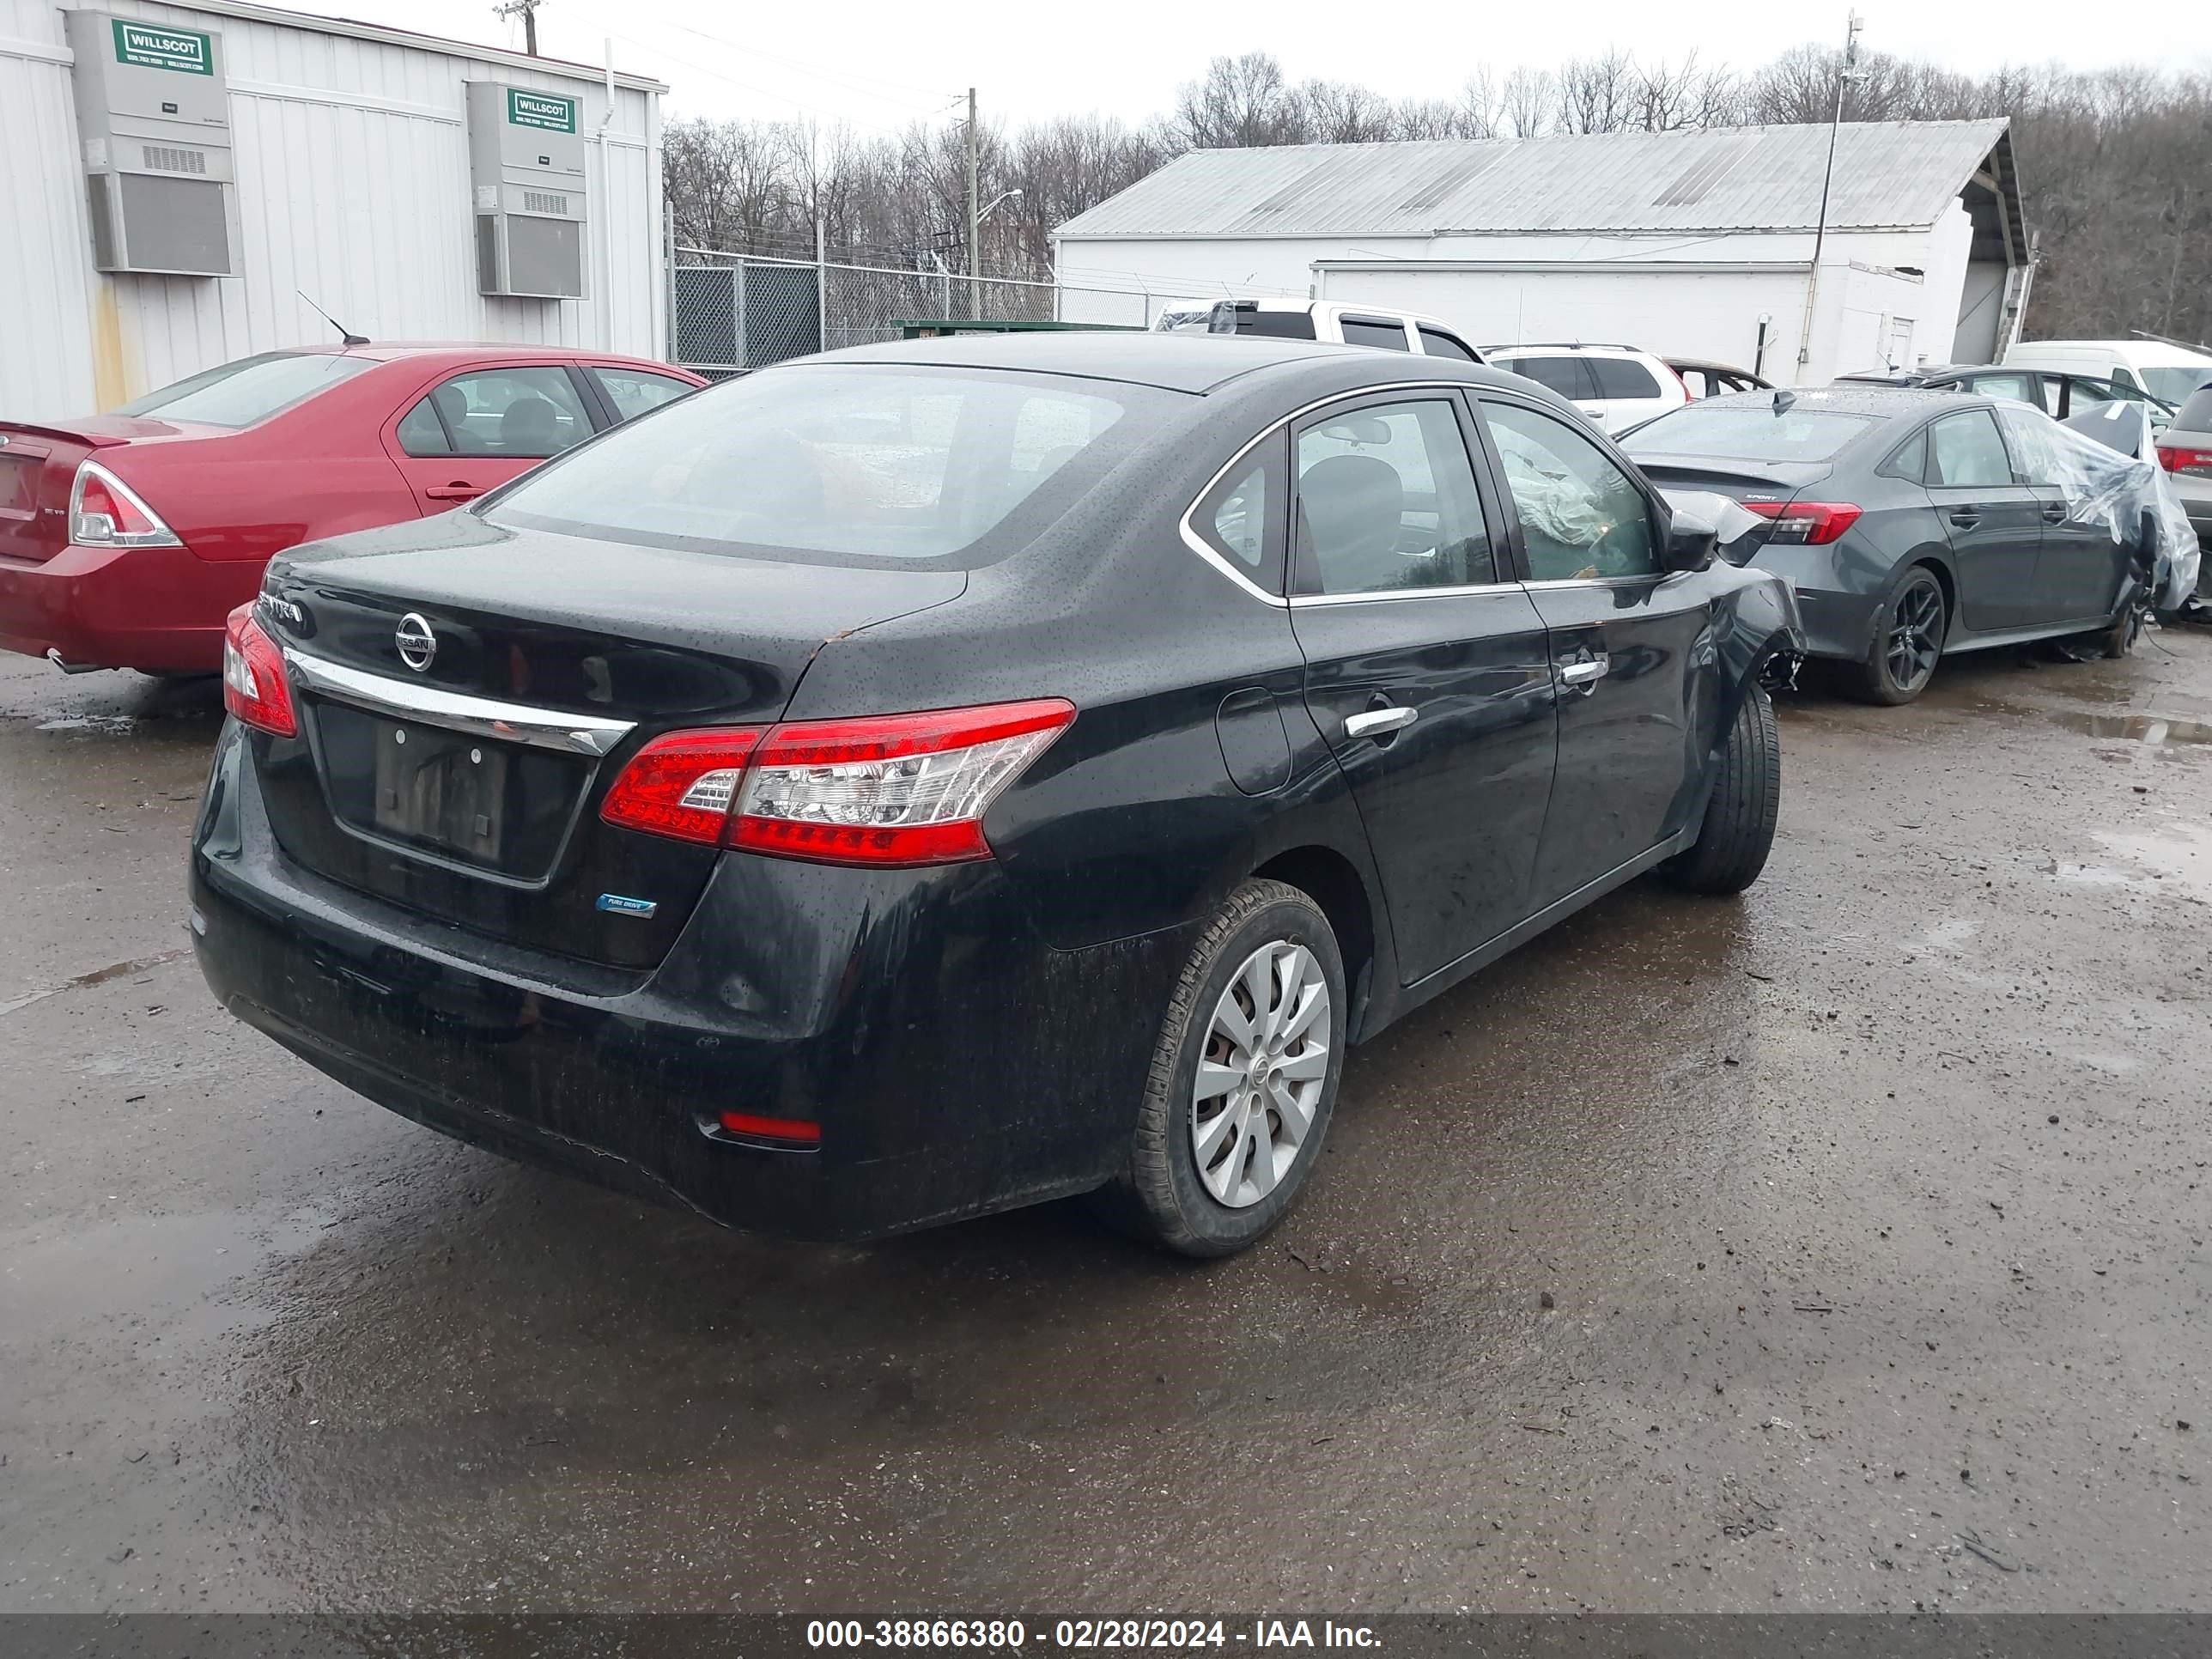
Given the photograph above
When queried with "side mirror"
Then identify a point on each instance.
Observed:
(1692, 541)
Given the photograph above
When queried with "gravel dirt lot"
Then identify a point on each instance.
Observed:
(1841, 1247)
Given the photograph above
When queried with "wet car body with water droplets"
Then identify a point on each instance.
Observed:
(840, 808)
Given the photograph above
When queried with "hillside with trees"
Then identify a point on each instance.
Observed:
(2115, 165)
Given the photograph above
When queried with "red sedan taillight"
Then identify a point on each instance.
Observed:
(2195, 463)
(253, 685)
(892, 790)
(105, 512)
(1816, 523)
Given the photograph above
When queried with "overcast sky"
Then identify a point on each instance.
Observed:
(874, 65)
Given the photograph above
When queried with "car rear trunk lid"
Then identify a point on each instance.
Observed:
(467, 788)
(38, 468)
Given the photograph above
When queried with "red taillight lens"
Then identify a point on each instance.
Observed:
(891, 790)
(681, 785)
(253, 685)
(105, 512)
(791, 1131)
(1817, 522)
(2198, 463)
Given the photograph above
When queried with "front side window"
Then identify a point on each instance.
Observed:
(516, 413)
(2172, 385)
(1582, 517)
(633, 390)
(1373, 331)
(1965, 453)
(1568, 376)
(1387, 503)
(846, 462)
(1437, 344)
(249, 390)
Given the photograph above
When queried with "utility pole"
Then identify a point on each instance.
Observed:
(1844, 75)
(527, 9)
(974, 216)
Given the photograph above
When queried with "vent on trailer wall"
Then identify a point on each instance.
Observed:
(531, 197)
(153, 114)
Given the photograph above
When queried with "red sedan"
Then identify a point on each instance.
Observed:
(126, 540)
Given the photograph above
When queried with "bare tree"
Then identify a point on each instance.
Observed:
(1526, 102)
(1241, 102)
(1596, 94)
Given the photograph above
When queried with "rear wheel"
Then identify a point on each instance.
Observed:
(1908, 638)
(1243, 1080)
(2120, 638)
(1738, 831)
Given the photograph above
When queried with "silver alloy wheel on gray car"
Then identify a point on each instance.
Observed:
(1260, 1078)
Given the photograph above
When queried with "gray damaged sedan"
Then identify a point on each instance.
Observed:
(1916, 524)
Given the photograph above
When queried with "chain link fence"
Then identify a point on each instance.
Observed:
(736, 312)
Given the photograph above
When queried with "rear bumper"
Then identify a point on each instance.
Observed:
(1837, 625)
(160, 609)
(955, 1063)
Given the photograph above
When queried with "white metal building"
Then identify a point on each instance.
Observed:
(1691, 244)
(341, 155)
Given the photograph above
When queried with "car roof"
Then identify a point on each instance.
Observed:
(1176, 362)
(1704, 362)
(1857, 397)
(385, 351)
(1569, 346)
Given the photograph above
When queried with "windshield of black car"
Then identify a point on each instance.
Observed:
(844, 462)
(252, 389)
(1750, 431)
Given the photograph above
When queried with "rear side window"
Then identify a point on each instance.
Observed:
(1242, 516)
(249, 390)
(2197, 414)
(1568, 376)
(1373, 331)
(1965, 451)
(519, 413)
(1747, 431)
(633, 390)
(1622, 377)
(846, 462)
(1387, 503)
(1910, 460)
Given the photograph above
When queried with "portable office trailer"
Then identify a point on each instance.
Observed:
(309, 155)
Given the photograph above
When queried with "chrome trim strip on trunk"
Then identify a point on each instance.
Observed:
(457, 711)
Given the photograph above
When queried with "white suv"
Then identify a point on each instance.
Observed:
(1616, 386)
(1327, 321)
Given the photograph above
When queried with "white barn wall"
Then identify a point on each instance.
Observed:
(353, 185)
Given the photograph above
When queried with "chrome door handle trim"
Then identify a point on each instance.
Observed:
(1585, 672)
(455, 711)
(1378, 722)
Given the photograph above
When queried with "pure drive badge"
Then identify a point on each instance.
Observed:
(626, 906)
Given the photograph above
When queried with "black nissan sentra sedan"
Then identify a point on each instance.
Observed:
(925, 780)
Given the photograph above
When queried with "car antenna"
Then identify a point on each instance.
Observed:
(344, 333)
(1784, 400)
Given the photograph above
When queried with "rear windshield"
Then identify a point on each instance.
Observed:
(844, 463)
(1275, 325)
(1747, 431)
(2174, 384)
(2197, 414)
(1565, 375)
(252, 389)
(1617, 377)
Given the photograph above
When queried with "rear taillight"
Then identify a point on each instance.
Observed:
(105, 512)
(891, 790)
(783, 1131)
(2197, 463)
(1816, 523)
(253, 686)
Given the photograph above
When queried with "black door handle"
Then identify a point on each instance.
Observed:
(1965, 517)
(2054, 512)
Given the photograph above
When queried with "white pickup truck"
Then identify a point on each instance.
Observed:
(1329, 320)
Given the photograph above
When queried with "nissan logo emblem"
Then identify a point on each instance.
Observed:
(416, 643)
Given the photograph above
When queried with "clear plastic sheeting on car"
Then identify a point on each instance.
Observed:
(1729, 519)
(2108, 486)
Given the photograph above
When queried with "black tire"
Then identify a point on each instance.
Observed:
(1908, 638)
(2119, 640)
(1162, 1195)
(1738, 831)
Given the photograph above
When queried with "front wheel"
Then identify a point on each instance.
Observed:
(1243, 1080)
(1738, 831)
(1908, 638)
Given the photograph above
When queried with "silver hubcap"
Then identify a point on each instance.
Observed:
(1260, 1075)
